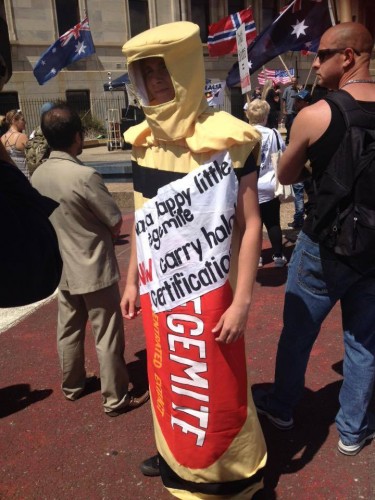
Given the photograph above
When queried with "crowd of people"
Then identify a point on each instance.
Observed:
(279, 109)
(204, 183)
(27, 153)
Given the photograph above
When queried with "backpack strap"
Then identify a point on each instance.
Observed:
(354, 115)
(277, 139)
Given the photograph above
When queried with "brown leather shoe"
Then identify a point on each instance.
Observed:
(132, 403)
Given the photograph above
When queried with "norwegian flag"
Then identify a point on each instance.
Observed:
(72, 46)
(276, 75)
(222, 35)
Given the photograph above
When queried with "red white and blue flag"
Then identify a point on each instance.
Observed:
(74, 32)
(276, 75)
(222, 35)
(298, 27)
(72, 46)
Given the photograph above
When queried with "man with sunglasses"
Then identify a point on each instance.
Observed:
(86, 221)
(318, 278)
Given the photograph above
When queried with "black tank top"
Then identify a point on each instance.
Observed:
(321, 152)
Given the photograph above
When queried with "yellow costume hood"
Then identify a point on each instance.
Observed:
(186, 119)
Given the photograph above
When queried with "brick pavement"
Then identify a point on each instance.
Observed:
(54, 449)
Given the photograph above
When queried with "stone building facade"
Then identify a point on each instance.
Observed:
(35, 24)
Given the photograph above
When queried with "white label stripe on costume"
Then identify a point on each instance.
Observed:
(184, 235)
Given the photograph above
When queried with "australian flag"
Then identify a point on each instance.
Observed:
(72, 46)
(298, 27)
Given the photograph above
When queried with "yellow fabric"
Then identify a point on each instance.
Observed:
(246, 455)
(246, 494)
(178, 44)
(187, 116)
(178, 136)
(177, 157)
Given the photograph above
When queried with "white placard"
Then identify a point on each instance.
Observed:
(184, 235)
(243, 62)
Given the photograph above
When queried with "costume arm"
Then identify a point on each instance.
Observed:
(130, 295)
(232, 323)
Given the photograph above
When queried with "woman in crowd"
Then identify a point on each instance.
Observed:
(257, 113)
(15, 140)
(271, 94)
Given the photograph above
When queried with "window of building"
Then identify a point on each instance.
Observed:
(8, 101)
(368, 17)
(200, 14)
(79, 100)
(269, 12)
(67, 13)
(237, 102)
(235, 6)
(139, 16)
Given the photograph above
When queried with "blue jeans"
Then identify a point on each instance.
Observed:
(316, 281)
(299, 203)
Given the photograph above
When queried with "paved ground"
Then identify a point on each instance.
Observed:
(54, 449)
(102, 154)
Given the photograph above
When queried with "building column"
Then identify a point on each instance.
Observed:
(10, 20)
(344, 11)
(152, 13)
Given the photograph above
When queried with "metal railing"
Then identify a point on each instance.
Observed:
(95, 108)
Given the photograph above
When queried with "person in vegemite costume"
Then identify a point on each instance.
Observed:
(194, 258)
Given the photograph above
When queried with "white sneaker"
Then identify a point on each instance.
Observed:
(279, 261)
(260, 264)
(353, 449)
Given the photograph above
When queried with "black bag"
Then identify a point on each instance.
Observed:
(30, 262)
(344, 219)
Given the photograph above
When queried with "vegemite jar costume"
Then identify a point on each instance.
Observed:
(186, 163)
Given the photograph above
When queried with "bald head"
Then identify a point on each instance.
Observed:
(349, 35)
(60, 126)
(344, 54)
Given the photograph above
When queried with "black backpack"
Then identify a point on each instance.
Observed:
(344, 219)
(30, 262)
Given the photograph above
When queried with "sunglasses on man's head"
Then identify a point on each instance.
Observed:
(322, 54)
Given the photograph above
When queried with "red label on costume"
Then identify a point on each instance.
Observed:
(198, 386)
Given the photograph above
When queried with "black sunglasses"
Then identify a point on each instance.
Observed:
(322, 54)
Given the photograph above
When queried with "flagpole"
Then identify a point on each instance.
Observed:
(331, 14)
(285, 66)
(314, 85)
(333, 21)
(308, 76)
